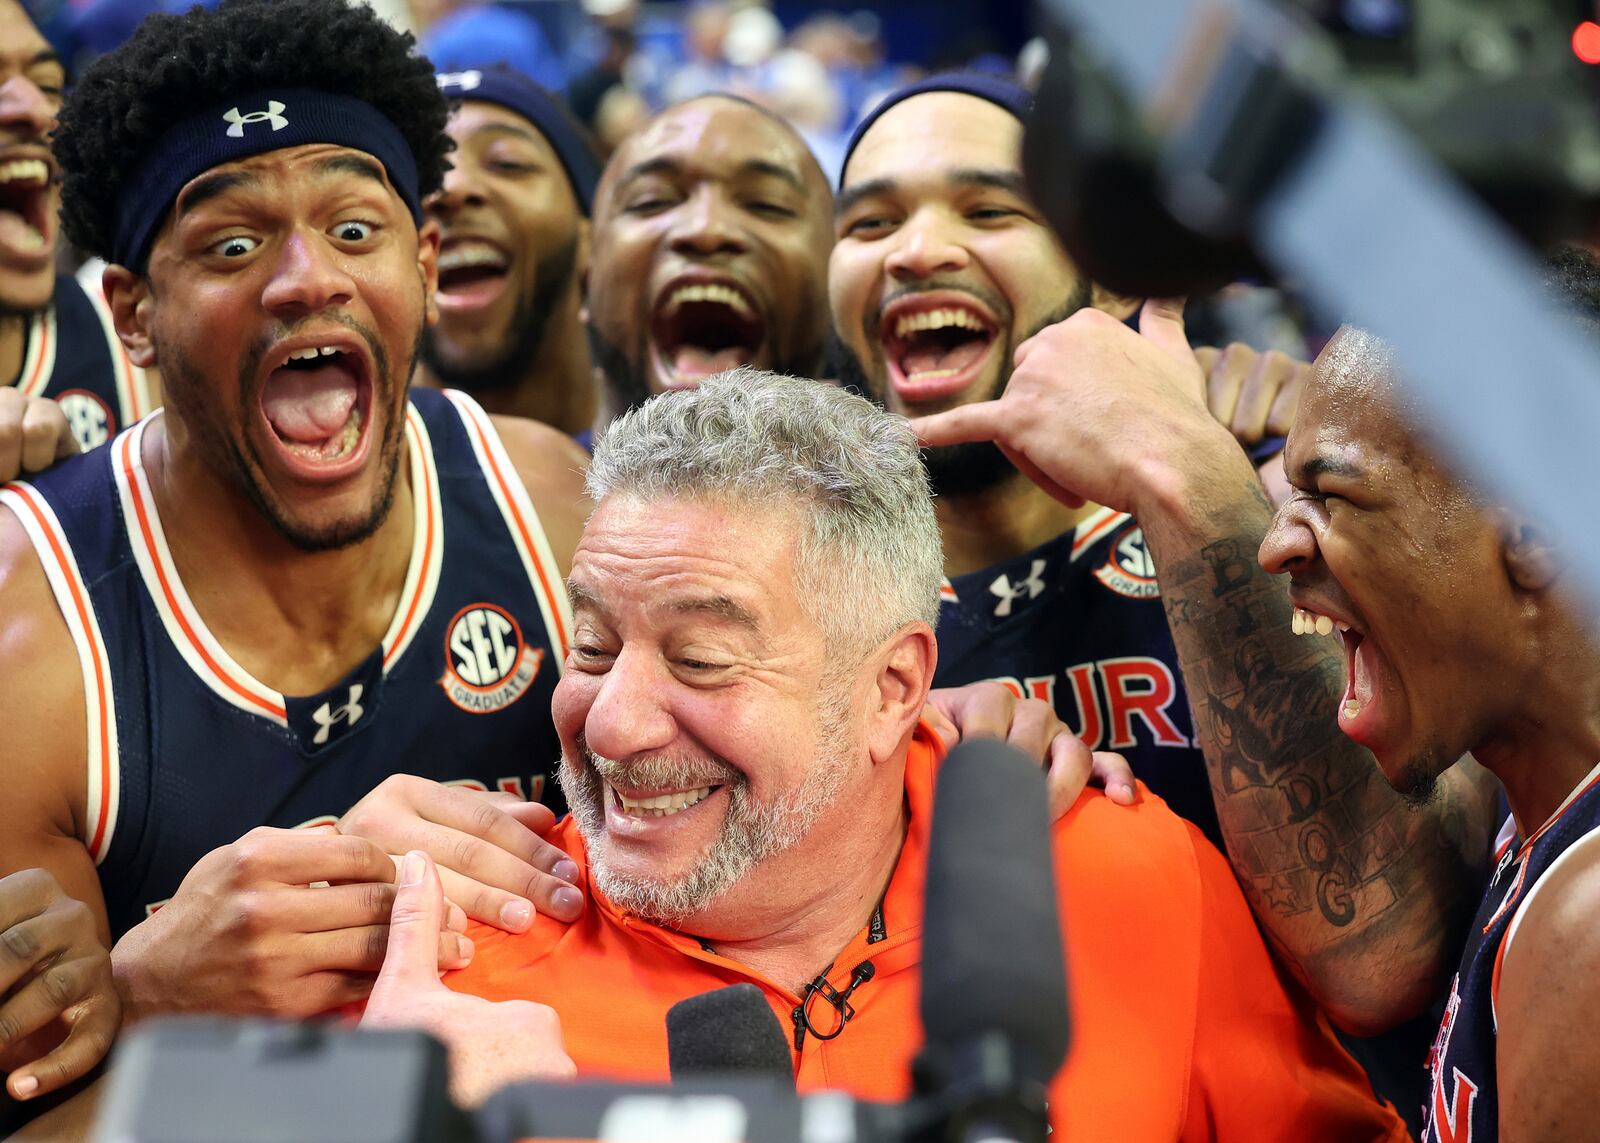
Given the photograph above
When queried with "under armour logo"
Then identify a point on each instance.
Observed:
(325, 716)
(1030, 588)
(465, 80)
(273, 115)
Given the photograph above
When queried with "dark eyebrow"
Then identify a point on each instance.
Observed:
(849, 196)
(511, 129)
(776, 170)
(208, 187)
(998, 178)
(45, 55)
(661, 165)
(358, 165)
(1322, 464)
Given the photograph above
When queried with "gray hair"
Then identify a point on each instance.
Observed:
(870, 559)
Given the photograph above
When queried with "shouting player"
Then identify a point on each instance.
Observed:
(56, 339)
(1461, 634)
(513, 217)
(298, 580)
(710, 251)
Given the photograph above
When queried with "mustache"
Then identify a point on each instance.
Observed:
(662, 771)
(380, 359)
(872, 323)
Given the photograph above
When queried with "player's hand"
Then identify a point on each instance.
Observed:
(247, 932)
(1255, 394)
(1096, 412)
(59, 1008)
(491, 858)
(991, 710)
(490, 1044)
(33, 434)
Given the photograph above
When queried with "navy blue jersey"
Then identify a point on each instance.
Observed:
(1078, 622)
(187, 751)
(1463, 1105)
(74, 357)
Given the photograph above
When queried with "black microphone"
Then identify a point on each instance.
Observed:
(994, 990)
(727, 1030)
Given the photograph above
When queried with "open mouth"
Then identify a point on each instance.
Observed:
(318, 403)
(1360, 674)
(472, 272)
(662, 805)
(701, 328)
(935, 347)
(26, 222)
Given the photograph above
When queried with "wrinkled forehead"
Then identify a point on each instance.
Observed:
(716, 137)
(930, 136)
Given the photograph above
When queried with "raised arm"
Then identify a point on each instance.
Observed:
(1360, 895)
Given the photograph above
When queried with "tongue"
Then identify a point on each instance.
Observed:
(930, 357)
(695, 361)
(309, 405)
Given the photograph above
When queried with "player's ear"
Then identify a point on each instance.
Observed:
(1532, 559)
(132, 310)
(428, 268)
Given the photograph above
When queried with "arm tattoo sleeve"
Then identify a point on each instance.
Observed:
(1356, 888)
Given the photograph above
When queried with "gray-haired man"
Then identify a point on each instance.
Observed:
(751, 781)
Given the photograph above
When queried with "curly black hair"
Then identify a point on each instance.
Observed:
(127, 99)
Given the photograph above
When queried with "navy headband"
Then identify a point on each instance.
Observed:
(238, 128)
(516, 92)
(1003, 93)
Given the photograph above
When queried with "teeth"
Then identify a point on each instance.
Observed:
(313, 352)
(1352, 707)
(938, 319)
(464, 254)
(711, 293)
(1305, 622)
(29, 238)
(25, 170)
(661, 805)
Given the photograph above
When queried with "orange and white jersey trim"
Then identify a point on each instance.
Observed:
(188, 632)
(522, 521)
(1095, 526)
(39, 362)
(72, 598)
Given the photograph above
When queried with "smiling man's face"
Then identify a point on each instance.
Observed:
(711, 236)
(512, 239)
(31, 79)
(942, 266)
(702, 734)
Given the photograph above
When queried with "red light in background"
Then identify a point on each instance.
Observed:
(1586, 42)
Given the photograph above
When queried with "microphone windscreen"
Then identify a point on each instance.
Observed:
(730, 1029)
(991, 947)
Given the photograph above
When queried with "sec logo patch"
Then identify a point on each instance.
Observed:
(487, 664)
(1129, 570)
(88, 416)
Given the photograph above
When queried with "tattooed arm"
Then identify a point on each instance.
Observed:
(1362, 897)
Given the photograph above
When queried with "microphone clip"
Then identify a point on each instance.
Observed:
(836, 999)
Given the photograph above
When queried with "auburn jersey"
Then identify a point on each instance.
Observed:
(186, 751)
(73, 357)
(1078, 623)
(1463, 1103)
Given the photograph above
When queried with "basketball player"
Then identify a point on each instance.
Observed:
(513, 217)
(710, 251)
(1460, 634)
(942, 269)
(297, 581)
(56, 339)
